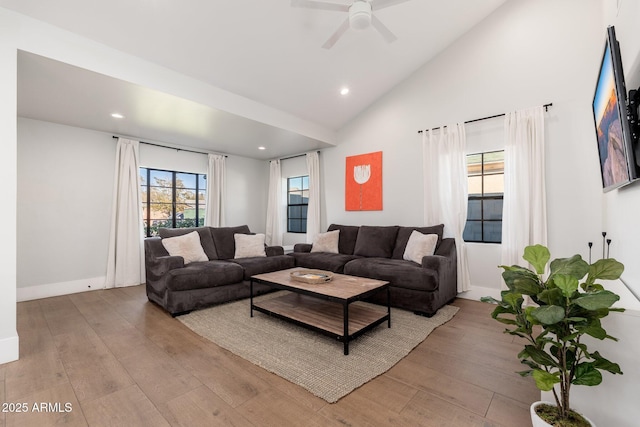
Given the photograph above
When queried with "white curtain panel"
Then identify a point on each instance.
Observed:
(216, 172)
(125, 261)
(445, 188)
(524, 217)
(313, 210)
(273, 234)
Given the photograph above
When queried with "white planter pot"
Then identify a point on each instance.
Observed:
(539, 422)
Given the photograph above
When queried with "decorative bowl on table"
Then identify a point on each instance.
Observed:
(311, 276)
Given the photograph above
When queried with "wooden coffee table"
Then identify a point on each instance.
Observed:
(325, 307)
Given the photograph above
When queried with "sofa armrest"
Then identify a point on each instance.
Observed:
(447, 248)
(434, 262)
(302, 247)
(157, 260)
(274, 250)
(444, 263)
(161, 265)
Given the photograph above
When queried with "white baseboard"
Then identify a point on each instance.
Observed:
(28, 293)
(9, 349)
(477, 292)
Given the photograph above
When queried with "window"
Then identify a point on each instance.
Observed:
(486, 192)
(172, 199)
(297, 204)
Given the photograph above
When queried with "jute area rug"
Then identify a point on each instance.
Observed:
(309, 359)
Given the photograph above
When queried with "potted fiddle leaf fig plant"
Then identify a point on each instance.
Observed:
(568, 305)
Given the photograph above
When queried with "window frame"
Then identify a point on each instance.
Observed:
(483, 197)
(174, 203)
(302, 218)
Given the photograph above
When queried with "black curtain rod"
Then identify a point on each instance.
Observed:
(546, 108)
(170, 148)
(298, 155)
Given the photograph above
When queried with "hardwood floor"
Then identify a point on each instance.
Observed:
(116, 359)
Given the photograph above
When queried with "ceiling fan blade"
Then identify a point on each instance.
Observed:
(381, 4)
(382, 29)
(339, 32)
(310, 4)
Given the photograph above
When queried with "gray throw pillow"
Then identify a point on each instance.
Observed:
(375, 241)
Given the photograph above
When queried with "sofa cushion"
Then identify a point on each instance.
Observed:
(205, 238)
(326, 242)
(419, 246)
(259, 265)
(375, 241)
(249, 245)
(348, 236)
(322, 260)
(223, 237)
(198, 275)
(187, 246)
(399, 273)
(405, 232)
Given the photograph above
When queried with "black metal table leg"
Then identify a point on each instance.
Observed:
(346, 328)
(251, 297)
(389, 306)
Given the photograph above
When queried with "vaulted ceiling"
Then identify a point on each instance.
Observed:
(263, 50)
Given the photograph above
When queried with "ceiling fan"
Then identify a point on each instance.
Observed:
(360, 16)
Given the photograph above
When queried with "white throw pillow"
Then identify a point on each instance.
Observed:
(326, 242)
(187, 246)
(249, 245)
(420, 245)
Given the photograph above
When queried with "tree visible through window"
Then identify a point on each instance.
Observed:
(486, 193)
(297, 204)
(172, 199)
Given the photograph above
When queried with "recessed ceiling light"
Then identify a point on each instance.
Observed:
(262, 148)
(344, 91)
(117, 116)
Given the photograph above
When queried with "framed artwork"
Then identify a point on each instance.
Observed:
(363, 182)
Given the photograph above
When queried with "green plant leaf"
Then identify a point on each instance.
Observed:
(545, 380)
(574, 266)
(515, 272)
(597, 300)
(590, 287)
(567, 284)
(587, 374)
(538, 256)
(527, 286)
(541, 357)
(551, 297)
(548, 315)
(490, 300)
(593, 330)
(514, 299)
(606, 269)
(602, 363)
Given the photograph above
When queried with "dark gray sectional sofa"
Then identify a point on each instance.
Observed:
(180, 288)
(377, 252)
(366, 251)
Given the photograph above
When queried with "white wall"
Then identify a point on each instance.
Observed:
(65, 185)
(8, 96)
(621, 207)
(527, 53)
(247, 189)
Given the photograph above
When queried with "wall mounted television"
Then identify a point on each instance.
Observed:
(613, 121)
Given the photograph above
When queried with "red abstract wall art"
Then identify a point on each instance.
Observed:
(363, 182)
